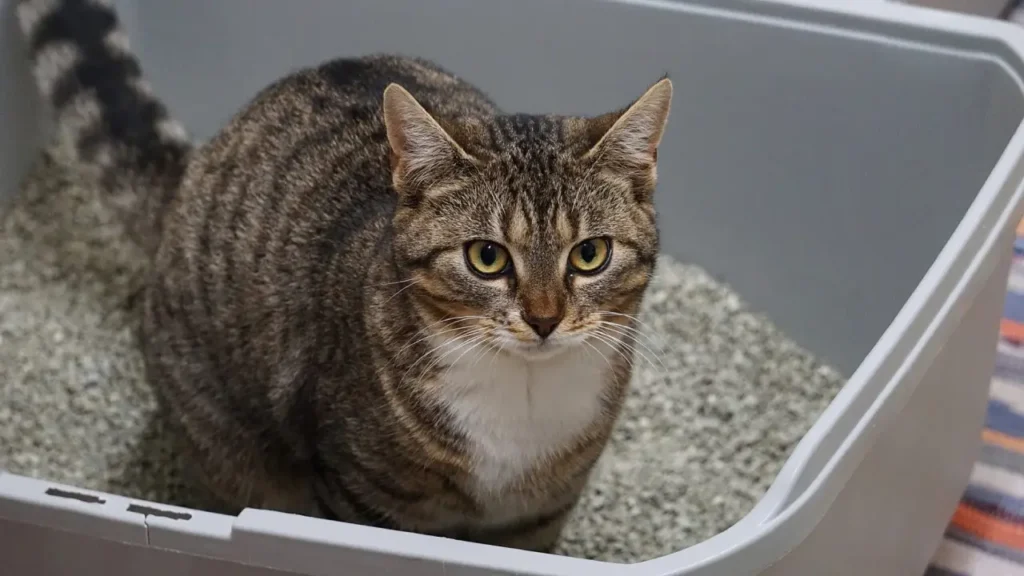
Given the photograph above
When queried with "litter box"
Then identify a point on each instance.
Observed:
(853, 169)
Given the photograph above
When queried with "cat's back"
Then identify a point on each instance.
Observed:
(314, 125)
(306, 161)
(296, 184)
(438, 90)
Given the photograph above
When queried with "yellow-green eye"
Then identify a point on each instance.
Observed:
(487, 258)
(590, 256)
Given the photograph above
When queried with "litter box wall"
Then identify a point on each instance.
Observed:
(21, 117)
(853, 169)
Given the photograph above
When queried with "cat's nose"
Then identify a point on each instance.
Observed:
(543, 326)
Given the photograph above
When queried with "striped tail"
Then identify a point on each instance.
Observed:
(108, 122)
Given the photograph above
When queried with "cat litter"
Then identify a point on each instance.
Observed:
(719, 397)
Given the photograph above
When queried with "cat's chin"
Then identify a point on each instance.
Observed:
(540, 350)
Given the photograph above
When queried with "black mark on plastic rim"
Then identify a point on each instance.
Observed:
(87, 498)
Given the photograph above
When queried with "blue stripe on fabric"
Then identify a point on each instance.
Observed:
(1008, 504)
(1013, 308)
(1010, 374)
(1002, 419)
(1009, 366)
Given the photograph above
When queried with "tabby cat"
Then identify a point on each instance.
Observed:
(374, 296)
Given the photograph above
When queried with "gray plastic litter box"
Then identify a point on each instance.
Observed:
(853, 168)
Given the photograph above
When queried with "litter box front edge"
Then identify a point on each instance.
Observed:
(65, 518)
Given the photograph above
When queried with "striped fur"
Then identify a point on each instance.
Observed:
(312, 322)
(107, 119)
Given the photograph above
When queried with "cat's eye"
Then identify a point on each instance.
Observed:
(590, 256)
(488, 259)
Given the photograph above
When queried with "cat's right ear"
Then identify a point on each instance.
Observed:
(631, 143)
(422, 151)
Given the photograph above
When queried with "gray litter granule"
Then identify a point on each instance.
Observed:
(716, 406)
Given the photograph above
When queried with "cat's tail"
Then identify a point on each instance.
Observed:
(108, 122)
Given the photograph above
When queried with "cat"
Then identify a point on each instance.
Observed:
(374, 296)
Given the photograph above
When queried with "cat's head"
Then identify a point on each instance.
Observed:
(528, 233)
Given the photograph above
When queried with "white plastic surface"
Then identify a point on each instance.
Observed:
(989, 8)
(854, 118)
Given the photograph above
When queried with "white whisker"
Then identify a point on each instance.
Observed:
(432, 334)
(628, 347)
(471, 333)
(595, 349)
(478, 341)
(403, 289)
(613, 339)
(492, 346)
(633, 350)
(395, 283)
(633, 332)
(620, 330)
(650, 329)
(613, 343)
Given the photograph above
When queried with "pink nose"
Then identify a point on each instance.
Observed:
(543, 326)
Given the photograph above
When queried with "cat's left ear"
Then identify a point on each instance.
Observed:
(632, 141)
(422, 151)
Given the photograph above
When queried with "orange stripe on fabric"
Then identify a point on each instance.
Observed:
(1011, 443)
(1020, 228)
(976, 522)
(1011, 330)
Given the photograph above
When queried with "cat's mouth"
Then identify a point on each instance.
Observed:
(536, 351)
(541, 349)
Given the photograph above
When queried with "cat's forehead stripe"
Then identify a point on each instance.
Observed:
(518, 231)
(564, 227)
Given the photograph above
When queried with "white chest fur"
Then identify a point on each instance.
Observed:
(515, 412)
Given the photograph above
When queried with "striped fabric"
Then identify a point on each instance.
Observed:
(986, 534)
